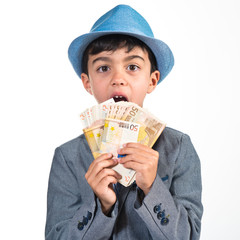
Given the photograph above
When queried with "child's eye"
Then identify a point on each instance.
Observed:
(103, 69)
(132, 67)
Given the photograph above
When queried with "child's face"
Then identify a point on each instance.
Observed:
(119, 73)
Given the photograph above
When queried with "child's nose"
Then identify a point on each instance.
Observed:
(118, 79)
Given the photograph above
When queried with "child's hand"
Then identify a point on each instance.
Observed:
(100, 177)
(142, 159)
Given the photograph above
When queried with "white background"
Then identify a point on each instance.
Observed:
(41, 98)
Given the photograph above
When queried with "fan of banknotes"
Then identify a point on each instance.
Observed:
(109, 125)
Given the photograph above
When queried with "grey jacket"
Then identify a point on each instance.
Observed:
(171, 210)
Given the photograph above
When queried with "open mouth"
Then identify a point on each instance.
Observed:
(120, 98)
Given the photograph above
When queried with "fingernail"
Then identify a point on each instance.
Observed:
(124, 145)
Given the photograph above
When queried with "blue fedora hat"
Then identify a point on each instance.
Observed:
(122, 20)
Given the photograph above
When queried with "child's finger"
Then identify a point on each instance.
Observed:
(133, 151)
(137, 146)
(136, 166)
(104, 173)
(108, 172)
(107, 180)
(99, 167)
(136, 157)
(105, 160)
(137, 154)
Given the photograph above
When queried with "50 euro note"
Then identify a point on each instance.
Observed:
(116, 133)
(150, 126)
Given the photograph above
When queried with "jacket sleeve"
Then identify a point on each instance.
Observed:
(175, 213)
(73, 214)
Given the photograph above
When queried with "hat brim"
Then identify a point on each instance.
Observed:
(162, 52)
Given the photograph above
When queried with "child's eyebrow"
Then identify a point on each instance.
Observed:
(134, 56)
(106, 59)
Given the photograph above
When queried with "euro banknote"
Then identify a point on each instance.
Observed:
(109, 125)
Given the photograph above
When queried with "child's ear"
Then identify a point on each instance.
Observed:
(86, 82)
(154, 78)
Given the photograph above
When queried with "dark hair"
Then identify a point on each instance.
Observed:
(112, 43)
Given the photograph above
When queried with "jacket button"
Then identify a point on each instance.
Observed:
(80, 226)
(89, 215)
(157, 208)
(85, 220)
(164, 221)
(161, 214)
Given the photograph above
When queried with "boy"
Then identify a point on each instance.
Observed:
(120, 58)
